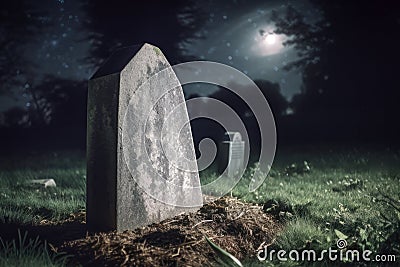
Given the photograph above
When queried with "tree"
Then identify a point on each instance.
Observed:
(19, 22)
(57, 101)
(15, 117)
(162, 23)
(270, 90)
(276, 100)
(348, 59)
(54, 102)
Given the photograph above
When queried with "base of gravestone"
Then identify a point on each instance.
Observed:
(180, 240)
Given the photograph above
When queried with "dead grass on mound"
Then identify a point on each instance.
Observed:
(239, 228)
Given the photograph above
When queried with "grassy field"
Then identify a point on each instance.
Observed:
(22, 203)
(320, 194)
(324, 195)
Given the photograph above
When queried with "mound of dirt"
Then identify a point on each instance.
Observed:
(239, 228)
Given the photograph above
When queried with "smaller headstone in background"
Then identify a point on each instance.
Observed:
(231, 154)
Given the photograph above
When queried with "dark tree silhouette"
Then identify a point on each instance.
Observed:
(19, 23)
(127, 23)
(55, 118)
(349, 60)
(15, 117)
(54, 102)
(276, 100)
(271, 92)
(57, 101)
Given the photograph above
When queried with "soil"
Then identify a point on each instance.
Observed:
(239, 228)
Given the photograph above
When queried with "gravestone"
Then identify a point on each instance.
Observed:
(231, 159)
(131, 182)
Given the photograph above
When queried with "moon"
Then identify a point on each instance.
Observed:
(268, 43)
(270, 39)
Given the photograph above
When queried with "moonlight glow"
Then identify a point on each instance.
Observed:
(269, 43)
(270, 39)
(248, 41)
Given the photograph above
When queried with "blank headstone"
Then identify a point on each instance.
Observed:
(231, 153)
(115, 201)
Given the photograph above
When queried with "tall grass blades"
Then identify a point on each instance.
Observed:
(28, 252)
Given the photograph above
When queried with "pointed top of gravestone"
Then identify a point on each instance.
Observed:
(119, 59)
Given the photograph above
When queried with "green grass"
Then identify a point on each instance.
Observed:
(28, 252)
(24, 203)
(343, 190)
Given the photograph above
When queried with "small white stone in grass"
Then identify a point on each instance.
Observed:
(50, 183)
(45, 182)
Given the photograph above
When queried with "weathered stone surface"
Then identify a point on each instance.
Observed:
(141, 164)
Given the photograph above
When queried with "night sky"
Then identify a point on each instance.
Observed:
(60, 49)
(242, 38)
(327, 68)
